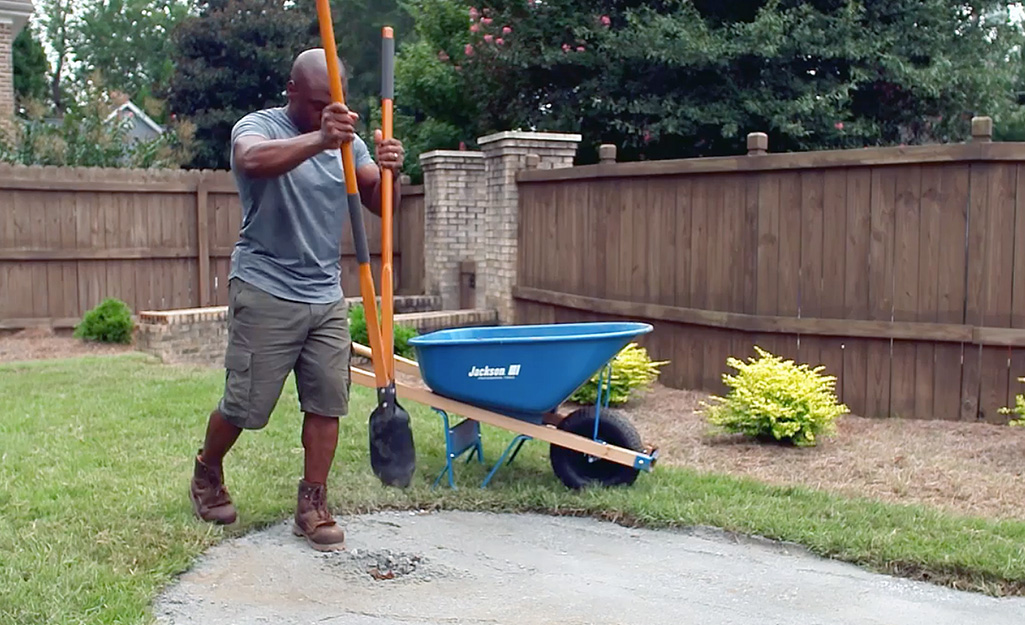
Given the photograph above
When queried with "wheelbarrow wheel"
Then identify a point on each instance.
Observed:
(579, 470)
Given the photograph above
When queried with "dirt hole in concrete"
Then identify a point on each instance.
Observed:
(383, 564)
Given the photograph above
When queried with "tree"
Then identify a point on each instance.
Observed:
(128, 42)
(683, 78)
(30, 67)
(232, 58)
(57, 24)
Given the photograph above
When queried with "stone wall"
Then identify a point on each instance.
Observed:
(199, 336)
(196, 336)
(472, 213)
(455, 198)
(6, 70)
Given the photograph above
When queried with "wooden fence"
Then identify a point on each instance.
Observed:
(156, 239)
(901, 270)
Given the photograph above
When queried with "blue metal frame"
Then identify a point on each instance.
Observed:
(462, 438)
(518, 442)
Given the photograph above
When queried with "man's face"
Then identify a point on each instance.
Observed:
(309, 98)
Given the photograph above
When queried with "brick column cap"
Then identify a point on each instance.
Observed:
(516, 135)
(436, 158)
(17, 13)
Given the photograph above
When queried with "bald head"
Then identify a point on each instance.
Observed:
(309, 88)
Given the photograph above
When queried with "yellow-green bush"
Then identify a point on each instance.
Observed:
(772, 397)
(1019, 409)
(632, 369)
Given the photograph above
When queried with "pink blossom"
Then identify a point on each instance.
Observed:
(473, 13)
(462, 145)
(605, 20)
(839, 125)
(499, 41)
(506, 30)
(469, 49)
(475, 28)
(647, 136)
(443, 55)
(486, 20)
(565, 47)
(580, 48)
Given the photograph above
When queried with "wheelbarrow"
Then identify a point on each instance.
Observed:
(518, 378)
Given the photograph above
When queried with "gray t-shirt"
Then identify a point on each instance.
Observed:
(290, 240)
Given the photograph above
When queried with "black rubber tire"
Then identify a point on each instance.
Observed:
(575, 470)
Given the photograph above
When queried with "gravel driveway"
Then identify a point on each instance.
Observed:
(454, 567)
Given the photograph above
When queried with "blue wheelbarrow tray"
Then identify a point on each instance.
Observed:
(524, 371)
(516, 378)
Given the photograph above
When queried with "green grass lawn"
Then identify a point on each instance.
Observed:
(96, 455)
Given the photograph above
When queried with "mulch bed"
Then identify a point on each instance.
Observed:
(970, 468)
(44, 343)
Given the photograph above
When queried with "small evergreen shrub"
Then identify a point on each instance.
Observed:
(632, 370)
(359, 333)
(772, 398)
(1019, 409)
(110, 322)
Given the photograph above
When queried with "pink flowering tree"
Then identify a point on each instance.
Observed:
(679, 78)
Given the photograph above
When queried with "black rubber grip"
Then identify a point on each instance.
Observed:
(388, 68)
(359, 235)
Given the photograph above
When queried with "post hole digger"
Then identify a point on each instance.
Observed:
(392, 450)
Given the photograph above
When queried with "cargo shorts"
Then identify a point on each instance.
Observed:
(269, 338)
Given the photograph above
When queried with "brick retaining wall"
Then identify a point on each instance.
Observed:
(199, 336)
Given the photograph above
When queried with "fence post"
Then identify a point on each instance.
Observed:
(757, 143)
(606, 153)
(505, 154)
(203, 238)
(982, 129)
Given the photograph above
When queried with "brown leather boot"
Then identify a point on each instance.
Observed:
(314, 522)
(210, 499)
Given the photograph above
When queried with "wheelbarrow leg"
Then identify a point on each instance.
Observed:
(463, 437)
(517, 443)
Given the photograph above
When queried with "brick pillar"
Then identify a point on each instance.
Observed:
(6, 70)
(505, 154)
(454, 202)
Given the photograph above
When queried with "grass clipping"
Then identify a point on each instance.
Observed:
(776, 399)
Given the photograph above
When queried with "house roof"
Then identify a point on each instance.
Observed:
(139, 114)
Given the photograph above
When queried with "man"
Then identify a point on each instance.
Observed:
(286, 309)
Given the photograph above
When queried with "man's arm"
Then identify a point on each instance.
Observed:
(369, 179)
(259, 157)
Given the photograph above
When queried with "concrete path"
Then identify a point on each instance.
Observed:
(411, 569)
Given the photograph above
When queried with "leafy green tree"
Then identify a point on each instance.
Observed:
(681, 78)
(233, 57)
(128, 42)
(30, 66)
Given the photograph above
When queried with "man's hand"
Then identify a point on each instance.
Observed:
(337, 125)
(390, 154)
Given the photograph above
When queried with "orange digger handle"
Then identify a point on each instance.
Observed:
(387, 200)
(366, 277)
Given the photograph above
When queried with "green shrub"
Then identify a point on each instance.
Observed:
(358, 331)
(632, 369)
(110, 322)
(774, 398)
(1019, 409)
